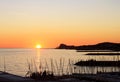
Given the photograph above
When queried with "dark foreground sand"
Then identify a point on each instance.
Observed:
(7, 77)
(104, 77)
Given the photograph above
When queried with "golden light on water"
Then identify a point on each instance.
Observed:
(38, 46)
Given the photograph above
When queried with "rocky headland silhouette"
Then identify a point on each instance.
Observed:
(100, 46)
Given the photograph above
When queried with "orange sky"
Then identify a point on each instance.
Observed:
(25, 23)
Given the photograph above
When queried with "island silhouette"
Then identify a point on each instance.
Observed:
(100, 46)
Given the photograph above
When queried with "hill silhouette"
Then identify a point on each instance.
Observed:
(99, 46)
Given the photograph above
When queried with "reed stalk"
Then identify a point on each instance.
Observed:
(4, 64)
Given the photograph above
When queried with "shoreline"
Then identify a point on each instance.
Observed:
(8, 77)
(109, 54)
(75, 77)
(94, 63)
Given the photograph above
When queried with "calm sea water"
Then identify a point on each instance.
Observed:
(16, 60)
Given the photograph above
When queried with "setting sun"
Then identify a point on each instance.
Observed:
(38, 46)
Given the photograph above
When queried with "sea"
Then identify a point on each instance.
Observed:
(19, 61)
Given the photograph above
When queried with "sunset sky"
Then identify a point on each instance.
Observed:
(25, 23)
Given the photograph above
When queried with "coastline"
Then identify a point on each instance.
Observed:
(99, 77)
